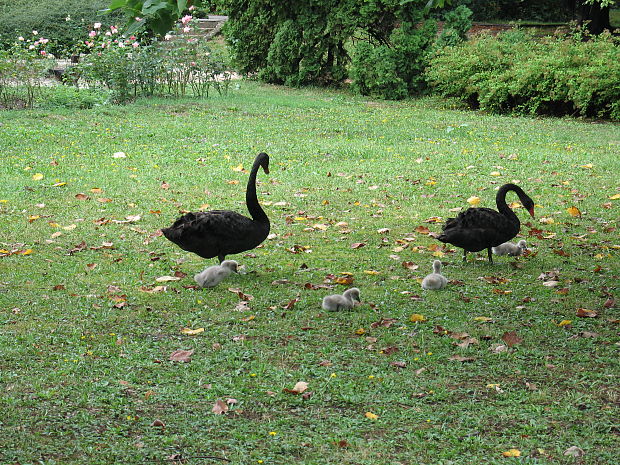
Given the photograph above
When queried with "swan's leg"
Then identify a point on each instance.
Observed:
(490, 255)
(464, 255)
(221, 258)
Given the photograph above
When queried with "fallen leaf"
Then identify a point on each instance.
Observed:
(474, 200)
(565, 322)
(398, 364)
(358, 245)
(158, 423)
(585, 313)
(371, 416)
(119, 155)
(163, 279)
(416, 317)
(37, 177)
(237, 168)
(422, 230)
(460, 358)
(299, 388)
(511, 338)
(512, 453)
(614, 197)
(81, 196)
(220, 407)
(573, 211)
(181, 355)
(192, 332)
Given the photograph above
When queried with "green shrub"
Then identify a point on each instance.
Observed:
(457, 23)
(397, 71)
(64, 23)
(72, 97)
(514, 73)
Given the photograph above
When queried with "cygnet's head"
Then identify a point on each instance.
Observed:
(354, 293)
(521, 244)
(230, 264)
(436, 266)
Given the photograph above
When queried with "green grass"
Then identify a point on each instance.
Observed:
(84, 365)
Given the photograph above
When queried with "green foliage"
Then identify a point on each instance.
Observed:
(177, 66)
(397, 71)
(64, 23)
(457, 23)
(71, 97)
(22, 67)
(308, 41)
(158, 17)
(513, 73)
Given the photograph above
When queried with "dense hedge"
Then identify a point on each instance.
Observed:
(64, 23)
(514, 73)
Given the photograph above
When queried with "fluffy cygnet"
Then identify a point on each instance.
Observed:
(508, 248)
(340, 302)
(435, 280)
(215, 274)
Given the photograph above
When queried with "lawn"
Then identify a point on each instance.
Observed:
(355, 186)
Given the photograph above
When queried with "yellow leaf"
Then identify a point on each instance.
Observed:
(512, 453)
(371, 272)
(320, 226)
(474, 200)
(163, 279)
(37, 177)
(431, 182)
(492, 386)
(70, 227)
(495, 173)
(483, 318)
(27, 252)
(31, 218)
(573, 211)
(192, 332)
(360, 331)
(565, 322)
(239, 167)
(371, 416)
(589, 166)
(416, 317)
(96, 190)
(301, 218)
(438, 254)
(54, 225)
(614, 197)
(546, 220)
(59, 184)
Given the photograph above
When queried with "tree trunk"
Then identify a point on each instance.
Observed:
(595, 16)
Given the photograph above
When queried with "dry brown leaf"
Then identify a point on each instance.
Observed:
(511, 338)
(358, 245)
(585, 313)
(181, 355)
(220, 407)
(460, 358)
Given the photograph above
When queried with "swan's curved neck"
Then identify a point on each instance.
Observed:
(500, 200)
(251, 200)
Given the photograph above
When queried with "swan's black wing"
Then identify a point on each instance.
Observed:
(477, 229)
(216, 233)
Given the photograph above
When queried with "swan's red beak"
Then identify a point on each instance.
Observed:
(531, 210)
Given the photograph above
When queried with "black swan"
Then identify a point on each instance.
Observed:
(215, 274)
(339, 302)
(218, 233)
(435, 280)
(476, 229)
